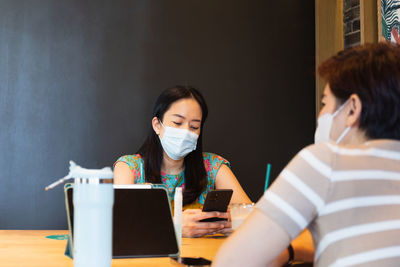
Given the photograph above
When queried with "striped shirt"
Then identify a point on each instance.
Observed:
(347, 196)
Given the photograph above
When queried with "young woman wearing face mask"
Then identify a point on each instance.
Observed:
(346, 188)
(173, 155)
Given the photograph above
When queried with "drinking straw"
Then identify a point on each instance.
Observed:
(141, 172)
(267, 176)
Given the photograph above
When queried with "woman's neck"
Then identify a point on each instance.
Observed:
(171, 166)
(355, 137)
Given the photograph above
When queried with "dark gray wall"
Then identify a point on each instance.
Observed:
(78, 80)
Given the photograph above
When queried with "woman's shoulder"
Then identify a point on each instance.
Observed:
(130, 159)
(135, 164)
(212, 156)
(211, 159)
(321, 154)
(320, 148)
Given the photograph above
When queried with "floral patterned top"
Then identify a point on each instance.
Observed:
(212, 163)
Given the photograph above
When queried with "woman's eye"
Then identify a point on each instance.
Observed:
(194, 128)
(177, 123)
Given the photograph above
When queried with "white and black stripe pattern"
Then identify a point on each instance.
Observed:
(351, 195)
(389, 14)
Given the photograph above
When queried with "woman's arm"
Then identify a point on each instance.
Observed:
(262, 242)
(122, 174)
(303, 248)
(257, 242)
(226, 180)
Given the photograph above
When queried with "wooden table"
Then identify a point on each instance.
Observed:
(28, 248)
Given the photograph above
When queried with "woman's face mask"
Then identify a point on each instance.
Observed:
(177, 143)
(323, 131)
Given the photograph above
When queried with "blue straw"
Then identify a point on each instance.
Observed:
(267, 176)
(141, 172)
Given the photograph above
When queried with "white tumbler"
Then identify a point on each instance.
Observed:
(93, 208)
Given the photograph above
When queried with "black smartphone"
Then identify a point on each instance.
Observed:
(192, 261)
(217, 200)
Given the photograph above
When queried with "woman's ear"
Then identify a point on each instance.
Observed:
(354, 112)
(156, 125)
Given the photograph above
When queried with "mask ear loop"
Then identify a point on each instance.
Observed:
(343, 135)
(347, 129)
(161, 122)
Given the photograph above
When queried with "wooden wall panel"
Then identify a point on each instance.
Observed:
(369, 21)
(329, 37)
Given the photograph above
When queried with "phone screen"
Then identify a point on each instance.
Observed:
(217, 200)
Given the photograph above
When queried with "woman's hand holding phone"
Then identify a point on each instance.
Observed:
(192, 227)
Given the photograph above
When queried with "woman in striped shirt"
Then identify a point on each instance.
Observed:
(345, 188)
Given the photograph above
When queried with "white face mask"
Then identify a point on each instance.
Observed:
(177, 143)
(323, 131)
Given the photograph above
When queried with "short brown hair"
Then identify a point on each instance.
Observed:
(371, 71)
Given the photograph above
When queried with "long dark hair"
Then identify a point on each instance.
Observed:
(152, 151)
